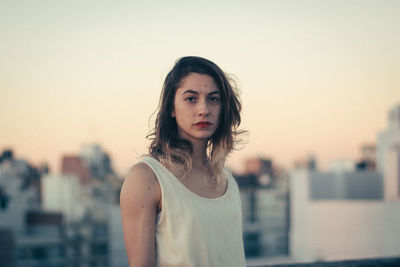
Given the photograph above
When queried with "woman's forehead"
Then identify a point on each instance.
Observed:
(198, 83)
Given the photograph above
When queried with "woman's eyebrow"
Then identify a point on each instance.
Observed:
(215, 92)
(189, 91)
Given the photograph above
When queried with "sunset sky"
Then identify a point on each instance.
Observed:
(315, 76)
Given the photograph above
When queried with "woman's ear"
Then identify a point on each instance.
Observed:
(173, 114)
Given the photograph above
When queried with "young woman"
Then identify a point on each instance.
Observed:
(180, 206)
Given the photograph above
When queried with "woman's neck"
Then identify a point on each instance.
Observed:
(199, 155)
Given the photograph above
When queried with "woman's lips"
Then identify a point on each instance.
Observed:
(203, 124)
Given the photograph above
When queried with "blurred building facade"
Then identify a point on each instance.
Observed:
(65, 219)
(388, 156)
(345, 185)
(389, 138)
(264, 194)
(350, 213)
(368, 158)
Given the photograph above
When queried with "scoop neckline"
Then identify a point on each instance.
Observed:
(190, 191)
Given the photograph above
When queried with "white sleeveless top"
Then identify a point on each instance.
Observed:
(195, 231)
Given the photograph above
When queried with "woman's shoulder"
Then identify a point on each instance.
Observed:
(143, 167)
(140, 170)
(141, 180)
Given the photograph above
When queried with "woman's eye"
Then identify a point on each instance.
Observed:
(190, 99)
(214, 99)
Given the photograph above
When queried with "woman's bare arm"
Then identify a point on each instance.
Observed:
(140, 195)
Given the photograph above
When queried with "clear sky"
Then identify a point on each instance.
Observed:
(315, 76)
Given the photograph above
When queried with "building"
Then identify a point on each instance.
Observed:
(74, 165)
(58, 219)
(348, 214)
(389, 137)
(344, 224)
(96, 160)
(63, 193)
(265, 209)
(345, 185)
(44, 242)
(18, 191)
(117, 250)
(368, 158)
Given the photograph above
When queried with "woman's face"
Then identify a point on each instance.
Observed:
(197, 107)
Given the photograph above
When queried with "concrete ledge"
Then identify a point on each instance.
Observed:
(379, 262)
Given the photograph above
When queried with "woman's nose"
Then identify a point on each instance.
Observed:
(204, 110)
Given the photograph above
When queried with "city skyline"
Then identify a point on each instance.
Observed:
(315, 77)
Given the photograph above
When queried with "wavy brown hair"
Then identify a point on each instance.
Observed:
(175, 152)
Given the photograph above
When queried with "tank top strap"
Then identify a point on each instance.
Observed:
(159, 170)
